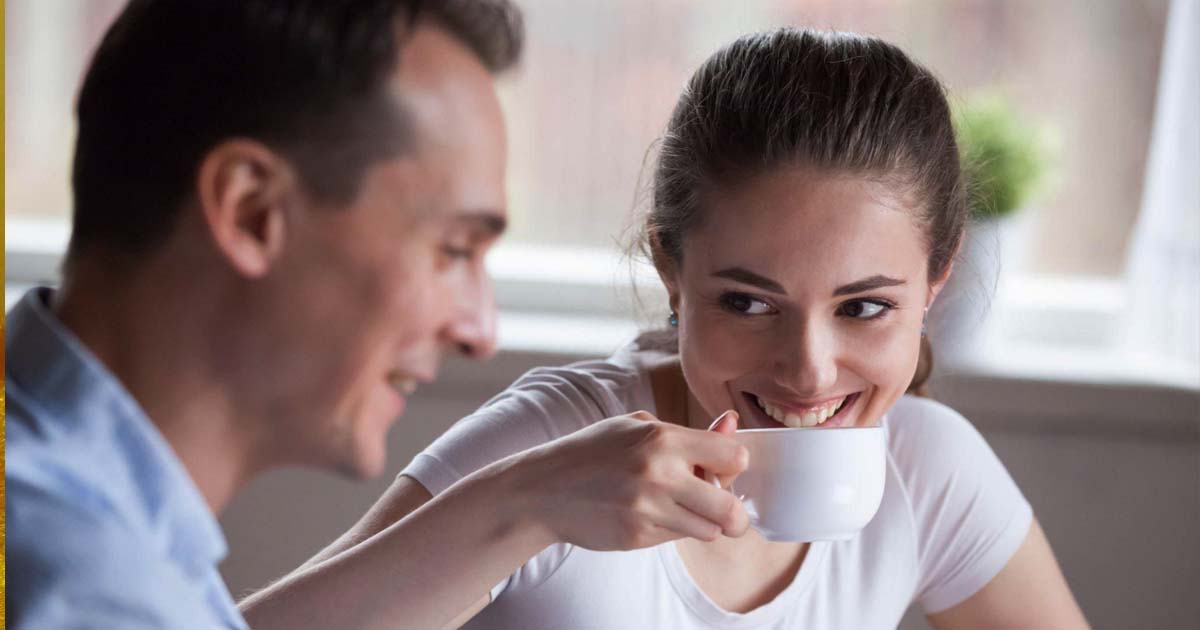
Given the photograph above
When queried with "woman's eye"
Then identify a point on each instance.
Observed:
(864, 309)
(745, 305)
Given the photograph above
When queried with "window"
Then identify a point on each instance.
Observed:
(600, 77)
(46, 47)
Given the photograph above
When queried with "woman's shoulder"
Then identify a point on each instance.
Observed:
(967, 513)
(915, 418)
(544, 404)
(928, 439)
(622, 369)
(595, 388)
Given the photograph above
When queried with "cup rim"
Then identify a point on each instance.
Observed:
(787, 429)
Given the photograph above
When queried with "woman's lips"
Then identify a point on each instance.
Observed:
(834, 413)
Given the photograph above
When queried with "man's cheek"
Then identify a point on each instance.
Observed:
(435, 301)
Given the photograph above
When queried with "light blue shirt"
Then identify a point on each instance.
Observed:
(105, 527)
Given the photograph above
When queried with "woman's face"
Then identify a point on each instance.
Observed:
(800, 299)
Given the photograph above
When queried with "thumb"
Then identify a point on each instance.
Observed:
(725, 423)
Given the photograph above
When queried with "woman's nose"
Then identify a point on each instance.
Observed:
(806, 363)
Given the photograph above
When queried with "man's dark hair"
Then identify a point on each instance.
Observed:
(173, 78)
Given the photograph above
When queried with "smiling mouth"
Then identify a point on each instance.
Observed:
(829, 413)
(403, 385)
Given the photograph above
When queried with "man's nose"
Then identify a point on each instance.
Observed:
(472, 330)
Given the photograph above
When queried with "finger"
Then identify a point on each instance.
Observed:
(677, 521)
(723, 481)
(643, 415)
(714, 452)
(716, 506)
(725, 423)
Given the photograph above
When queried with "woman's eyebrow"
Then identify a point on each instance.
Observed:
(867, 284)
(745, 276)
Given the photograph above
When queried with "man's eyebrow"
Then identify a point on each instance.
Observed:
(486, 222)
(867, 284)
(745, 276)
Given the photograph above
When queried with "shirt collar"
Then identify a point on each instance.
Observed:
(73, 387)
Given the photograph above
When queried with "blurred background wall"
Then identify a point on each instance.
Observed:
(1101, 432)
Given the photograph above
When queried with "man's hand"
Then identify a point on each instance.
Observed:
(628, 482)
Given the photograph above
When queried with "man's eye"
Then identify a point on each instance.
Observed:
(458, 253)
(745, 305)
(864, 309)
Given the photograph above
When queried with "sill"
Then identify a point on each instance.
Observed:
(1067, 329)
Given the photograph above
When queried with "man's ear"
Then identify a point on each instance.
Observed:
(244, 190)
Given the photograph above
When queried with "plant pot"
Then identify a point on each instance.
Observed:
(958, 321)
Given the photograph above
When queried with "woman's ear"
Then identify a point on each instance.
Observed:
(244, 190)
(938, 284)
(667, 270)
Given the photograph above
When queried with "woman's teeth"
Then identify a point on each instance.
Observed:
(807, 418)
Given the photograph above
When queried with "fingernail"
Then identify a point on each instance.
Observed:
(719, 419)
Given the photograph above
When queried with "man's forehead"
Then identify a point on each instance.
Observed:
(456, 124)
(436, 70)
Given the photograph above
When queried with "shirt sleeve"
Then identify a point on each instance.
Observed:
(969, 515)
(70, 569)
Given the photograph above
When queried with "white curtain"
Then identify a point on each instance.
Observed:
(1163, 269)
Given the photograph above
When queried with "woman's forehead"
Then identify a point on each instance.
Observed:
(826, 226)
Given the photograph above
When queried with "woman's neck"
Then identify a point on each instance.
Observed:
(738, 574)
(671, 394)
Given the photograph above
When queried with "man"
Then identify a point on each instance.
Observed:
(281, 211)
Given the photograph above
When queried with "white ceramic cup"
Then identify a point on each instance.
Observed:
(812, 484)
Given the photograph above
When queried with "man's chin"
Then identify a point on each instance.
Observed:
(366, 459)
(362, 468)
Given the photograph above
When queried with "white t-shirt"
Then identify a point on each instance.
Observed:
(950, 519)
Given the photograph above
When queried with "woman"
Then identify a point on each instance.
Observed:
(807, 206)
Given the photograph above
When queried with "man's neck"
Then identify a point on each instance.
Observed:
(160, 352)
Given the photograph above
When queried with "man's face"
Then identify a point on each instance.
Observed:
(370, 296)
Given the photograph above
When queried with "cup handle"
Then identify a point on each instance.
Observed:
(712, 479)
(716, 483)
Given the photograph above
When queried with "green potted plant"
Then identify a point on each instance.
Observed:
(1005, 160)
(1004, 156)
